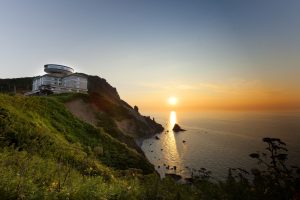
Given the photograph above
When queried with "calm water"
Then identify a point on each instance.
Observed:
(219, 140)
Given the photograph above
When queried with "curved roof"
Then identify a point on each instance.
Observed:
(61, 69)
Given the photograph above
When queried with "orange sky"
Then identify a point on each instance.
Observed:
(236, 95)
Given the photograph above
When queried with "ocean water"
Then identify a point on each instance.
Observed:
(219, 140)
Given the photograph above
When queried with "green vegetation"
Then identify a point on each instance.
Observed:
(18, 85)
(42, 125)
(43, 146)
(47, 153)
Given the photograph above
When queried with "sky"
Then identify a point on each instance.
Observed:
(208, 54)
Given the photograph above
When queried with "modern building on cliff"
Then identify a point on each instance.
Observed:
(59, 79)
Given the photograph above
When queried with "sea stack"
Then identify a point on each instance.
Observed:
(177, 128)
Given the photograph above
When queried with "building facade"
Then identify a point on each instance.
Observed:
(59, 79)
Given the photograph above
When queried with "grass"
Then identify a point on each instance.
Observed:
(44, 124)
(43, 145)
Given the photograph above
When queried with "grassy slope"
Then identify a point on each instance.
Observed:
(108, 110)
(38, 134)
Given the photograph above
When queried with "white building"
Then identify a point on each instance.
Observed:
(59, 79)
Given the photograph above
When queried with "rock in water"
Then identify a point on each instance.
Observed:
(177, 128)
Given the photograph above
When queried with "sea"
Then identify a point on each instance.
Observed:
(218, 141)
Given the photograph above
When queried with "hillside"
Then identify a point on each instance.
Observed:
(105, 99)
(100, 108)
(37, 123)
(39, 133)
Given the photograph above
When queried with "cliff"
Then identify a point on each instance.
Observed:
(102, 107)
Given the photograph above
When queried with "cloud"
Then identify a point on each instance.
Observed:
(186, 87)
(231, 88)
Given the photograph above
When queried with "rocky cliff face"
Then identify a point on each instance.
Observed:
(128, 119)
(104, 108)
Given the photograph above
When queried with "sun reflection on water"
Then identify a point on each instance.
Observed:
(172, 120)
(163, 150)
(171, 155)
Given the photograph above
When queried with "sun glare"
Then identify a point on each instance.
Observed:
(172, 101)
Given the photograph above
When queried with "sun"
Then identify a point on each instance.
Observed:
(172, 101)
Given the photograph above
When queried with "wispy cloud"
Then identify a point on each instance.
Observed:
(186, 87)
(234, 87)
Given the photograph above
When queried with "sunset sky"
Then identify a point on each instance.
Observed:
(209, 54)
